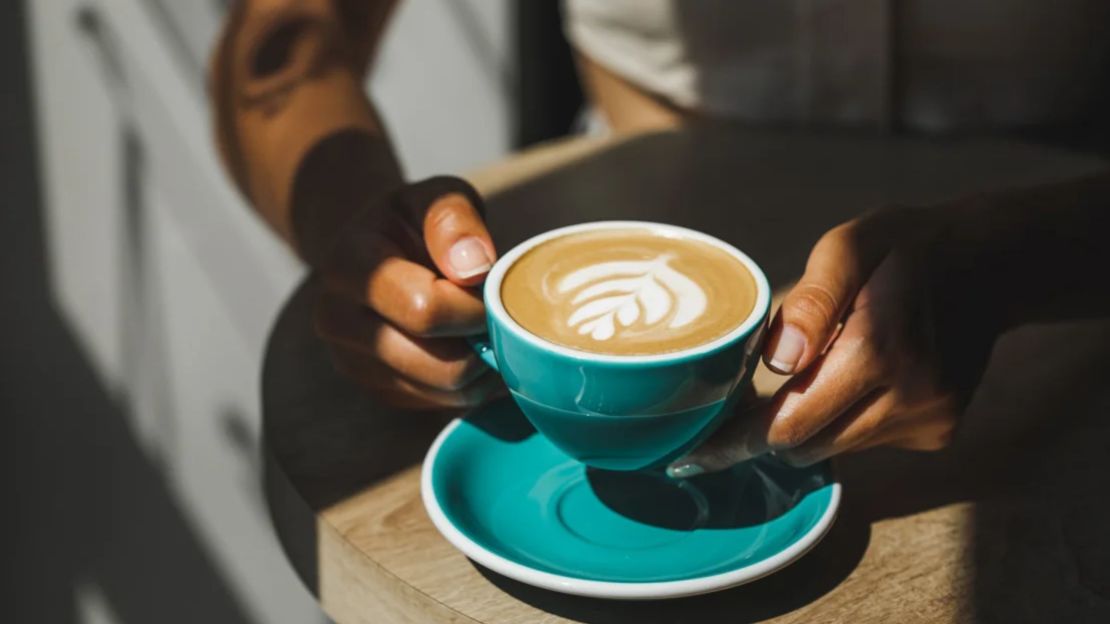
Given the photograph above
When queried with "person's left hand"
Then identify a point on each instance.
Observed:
(883, 342)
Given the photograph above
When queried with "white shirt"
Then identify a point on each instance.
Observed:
(930, 65)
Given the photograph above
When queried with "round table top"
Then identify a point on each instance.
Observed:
(1008, 524)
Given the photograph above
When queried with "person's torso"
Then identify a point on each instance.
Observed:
(930, 65)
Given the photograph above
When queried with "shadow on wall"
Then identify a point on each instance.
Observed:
(90, 529)
(88, 517)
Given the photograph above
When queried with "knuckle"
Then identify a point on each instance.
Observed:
(813, 303)
(446, 211)
(401, 393)
(941, 406)
(456, 376)
(874, 358)
(944, 438)
(870, 350)
(425, 195)
(446, 184)
(936, 434)
(842, 239)
(869, 359)
(841, 234)
(946, 428)
(935, 441)
(797, 458)
(787, 433)
(422, 314)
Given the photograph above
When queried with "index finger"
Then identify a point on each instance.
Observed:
(448, 211)
(374, 271)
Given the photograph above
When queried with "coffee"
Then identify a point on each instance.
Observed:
(628, 292)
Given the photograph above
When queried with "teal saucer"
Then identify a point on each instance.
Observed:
(509, 500)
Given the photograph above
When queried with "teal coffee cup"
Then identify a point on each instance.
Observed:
(622, 412)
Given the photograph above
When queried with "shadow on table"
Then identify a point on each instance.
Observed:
(1036, 544)
(804, 581)
(1034, 455)
(334, 438)
(657, 500)
(359, 443)
(749, 494)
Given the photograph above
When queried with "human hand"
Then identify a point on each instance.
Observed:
(884, 339)
(399, 293)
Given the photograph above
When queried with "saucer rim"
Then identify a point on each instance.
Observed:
(613, 589)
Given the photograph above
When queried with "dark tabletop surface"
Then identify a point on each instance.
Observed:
(1010, 524)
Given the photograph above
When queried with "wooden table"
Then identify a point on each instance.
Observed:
(1011, 524)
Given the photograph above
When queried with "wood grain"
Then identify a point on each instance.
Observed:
(1008, 525)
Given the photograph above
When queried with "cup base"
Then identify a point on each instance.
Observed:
(516, 504)
(622, 442)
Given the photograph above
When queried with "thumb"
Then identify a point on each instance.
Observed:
(448, 211)
(809, 316)
(741, 438)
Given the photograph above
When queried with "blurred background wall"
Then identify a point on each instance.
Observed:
(146, 289)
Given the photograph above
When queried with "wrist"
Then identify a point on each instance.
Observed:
(343, 175)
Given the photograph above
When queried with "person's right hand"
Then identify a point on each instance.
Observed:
(885, 337)
(400, 292)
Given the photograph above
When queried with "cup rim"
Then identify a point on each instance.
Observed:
(495, 308)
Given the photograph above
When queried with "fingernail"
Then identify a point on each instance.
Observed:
(468, 257)
(684, 470)
(791, 345)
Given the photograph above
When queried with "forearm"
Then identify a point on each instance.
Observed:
(294, 126)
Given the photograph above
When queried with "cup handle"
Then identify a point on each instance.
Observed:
(484, 349)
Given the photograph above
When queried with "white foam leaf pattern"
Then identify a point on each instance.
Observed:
(628, 313)
(595, 308)
(620, 292)
(606, 287)
(656, 301)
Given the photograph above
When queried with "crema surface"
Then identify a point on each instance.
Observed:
(628, 292)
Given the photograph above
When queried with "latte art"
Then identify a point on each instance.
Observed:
(628, 291)
(611, 298)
